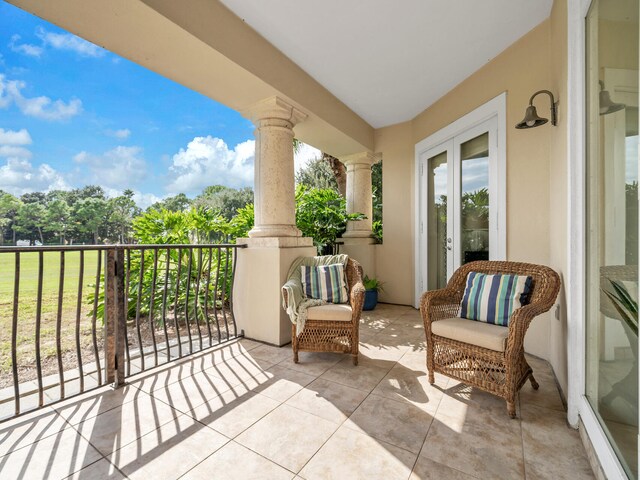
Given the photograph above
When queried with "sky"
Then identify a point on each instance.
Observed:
(73, 114)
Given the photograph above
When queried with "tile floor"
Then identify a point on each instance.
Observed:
(246, 411)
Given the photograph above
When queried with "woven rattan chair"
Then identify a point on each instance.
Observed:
(501, 373)
(323, 334)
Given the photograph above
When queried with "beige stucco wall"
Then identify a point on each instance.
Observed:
(536, 170)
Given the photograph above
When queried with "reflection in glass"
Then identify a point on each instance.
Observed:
(437, 219)
(474, 207)
(612, 225)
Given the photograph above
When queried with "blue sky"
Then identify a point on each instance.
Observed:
(72, 114)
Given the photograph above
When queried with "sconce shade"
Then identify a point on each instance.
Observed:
(531, 119)
(607, 105)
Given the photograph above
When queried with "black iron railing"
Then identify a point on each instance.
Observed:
(85, 316)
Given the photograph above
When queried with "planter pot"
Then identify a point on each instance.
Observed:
(370, 299)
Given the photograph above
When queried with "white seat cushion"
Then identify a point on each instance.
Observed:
(481, 334)
(333, 311)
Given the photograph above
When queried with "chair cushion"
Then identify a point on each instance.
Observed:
(332, 311)
(493, 298)
(485, 335)
(325, 282)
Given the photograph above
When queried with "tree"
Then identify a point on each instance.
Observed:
(224, 200)
(30, 221)
(122, 211)
(9, 206)
(177, 203)
(58, 218)
(317, 174)
(339, 172)
(91, 215)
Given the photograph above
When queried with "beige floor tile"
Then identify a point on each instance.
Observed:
(476, 445)
(551, 448)
(396, 422)
(192, 391)
(101, 470)
(470, 404)
(351, 454)
(165, 375)
(546, 396)
(314, 363)
(283, 383)
(54, 457)
(427, 469)
(362, 377)
(412, 386)
(272, 354)
(288, 436)
(234, 411)
(90, 404)
(29, 428)
(235, 462)
(380, 355)
(328, 400)
(241, 369)
(168, 452)
(120, 426)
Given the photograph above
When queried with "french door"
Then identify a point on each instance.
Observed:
(458, 203)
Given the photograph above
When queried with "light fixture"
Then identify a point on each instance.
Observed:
(607, 105)
(531, 117)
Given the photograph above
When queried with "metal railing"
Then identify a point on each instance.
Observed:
(86, 316)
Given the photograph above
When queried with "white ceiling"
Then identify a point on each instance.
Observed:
(388, 60)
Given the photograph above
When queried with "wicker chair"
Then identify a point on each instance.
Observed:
(324, 334)
(501, 373)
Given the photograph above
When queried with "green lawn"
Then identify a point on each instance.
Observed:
(29, 264)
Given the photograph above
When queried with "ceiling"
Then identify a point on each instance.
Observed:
(389, 60)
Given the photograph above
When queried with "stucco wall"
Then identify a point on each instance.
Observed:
(536, 170)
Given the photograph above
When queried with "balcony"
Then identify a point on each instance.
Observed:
(245, 410)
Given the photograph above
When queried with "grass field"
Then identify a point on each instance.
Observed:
(29, 264)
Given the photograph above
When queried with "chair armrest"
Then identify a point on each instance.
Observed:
(356, 300)
(438, 304)
(285, 298)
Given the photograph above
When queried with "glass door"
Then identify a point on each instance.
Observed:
(456, 221)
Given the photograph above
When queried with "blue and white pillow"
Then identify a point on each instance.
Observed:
(493, 298)
(325, 282)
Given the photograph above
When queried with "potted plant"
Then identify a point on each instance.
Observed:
(372, 287)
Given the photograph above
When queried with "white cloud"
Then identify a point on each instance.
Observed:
(121, 134)
(118, 168)
(19, 176)
(25, 48)
(38, 107)
(145, 200)
(67, 41)
(15, 137)
(209, 161)
(305, 155)
(13, 151)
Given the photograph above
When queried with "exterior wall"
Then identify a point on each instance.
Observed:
(536, 171)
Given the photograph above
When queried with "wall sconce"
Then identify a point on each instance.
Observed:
(531, 118)
(606, 104)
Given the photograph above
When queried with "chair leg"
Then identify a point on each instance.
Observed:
(534, 384)
(295, 357)
(511, 409)
(432, 378)
(355, 359)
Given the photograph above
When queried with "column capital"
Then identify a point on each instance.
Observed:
(362, 158)
(273, 108)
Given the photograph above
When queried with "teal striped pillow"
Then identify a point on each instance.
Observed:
(493, 298)
(325, 282)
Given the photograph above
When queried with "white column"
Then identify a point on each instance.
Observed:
(274, 188)
(359, 194)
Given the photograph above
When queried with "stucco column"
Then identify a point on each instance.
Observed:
(359, 194)
(274, 188)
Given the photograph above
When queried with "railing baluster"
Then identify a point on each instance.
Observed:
(215, 294)
(175, 303)
(59, 325)
(140, 277)
(38, 327)
(152, 327)
(197, 294)
(224, 290)
(206, 297)
(186, 301)
(78, 314)
(94, 317)
(14, 333)
(126, 310)
(164, 305)
(233, 280)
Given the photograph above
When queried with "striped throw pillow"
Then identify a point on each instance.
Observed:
(325, 282)
(493, 298)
